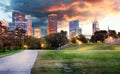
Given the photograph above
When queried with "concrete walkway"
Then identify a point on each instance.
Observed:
(19, 63)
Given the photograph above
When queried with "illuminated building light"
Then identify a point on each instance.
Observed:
(37, 32)
(52, 24)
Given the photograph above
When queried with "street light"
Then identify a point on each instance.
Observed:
(42, 45)
(78, 41)
(26, 46)
(110, 38)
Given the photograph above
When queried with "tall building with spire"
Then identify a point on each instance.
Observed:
(95, 26)
(52, 24)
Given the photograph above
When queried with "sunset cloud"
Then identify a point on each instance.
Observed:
(67, 10)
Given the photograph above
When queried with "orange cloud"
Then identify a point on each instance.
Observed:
(61, 7)
(85, 9)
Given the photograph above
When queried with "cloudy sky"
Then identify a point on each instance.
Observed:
(106, 12)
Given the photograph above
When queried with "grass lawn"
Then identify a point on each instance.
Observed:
(94, 47)
(83, 59)
(8, 52)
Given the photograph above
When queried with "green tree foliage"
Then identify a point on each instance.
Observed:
(11, 39)
(4, 42)
(118, 34)
(99, 36)
(73, 40)
(43, 43)
(20, 36)
(57, 39)
(113, 33)
(32, 42)
(81, 38)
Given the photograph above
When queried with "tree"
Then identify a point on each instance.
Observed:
(113, 33)
(99, 36)
(56, 40)
(118, 34)
(11, 39)
(63, 33)
(3, 37)
(20, 35)
(35, 43)
(43, 43)
(73, 40)
(82, 38)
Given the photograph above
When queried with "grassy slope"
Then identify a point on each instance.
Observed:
(79, 61)
(8, 52)
(94, 47)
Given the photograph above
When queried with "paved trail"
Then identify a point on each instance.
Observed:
(19, 63)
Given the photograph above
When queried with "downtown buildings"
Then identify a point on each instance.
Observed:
(37, 32)
(29, 28)
(74, 29)
(95, 26)
(52, 24)
(19, 19)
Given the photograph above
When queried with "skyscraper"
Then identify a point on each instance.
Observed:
(73, 28)
(29, 29)
(95, 26)
(37, 32)
(52, 24)
(19, 20)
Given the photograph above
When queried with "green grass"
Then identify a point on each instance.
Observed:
(93, 47)
(8, 52)
(74, 60)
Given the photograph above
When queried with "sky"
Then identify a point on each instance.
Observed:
(106, 12)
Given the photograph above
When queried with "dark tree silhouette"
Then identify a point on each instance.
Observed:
(119, 34)
(57, 39)
(113, 33)
(99, 36)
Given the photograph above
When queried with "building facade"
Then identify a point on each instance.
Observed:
(73, 28)
(19, 20)
(52, 24)
(95, 26)
(37, 32)
(29, 29)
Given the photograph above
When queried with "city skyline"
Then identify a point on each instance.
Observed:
(86, 11)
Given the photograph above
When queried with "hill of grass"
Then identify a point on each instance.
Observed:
(79, 59)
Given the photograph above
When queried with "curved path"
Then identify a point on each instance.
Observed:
(19, 63)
